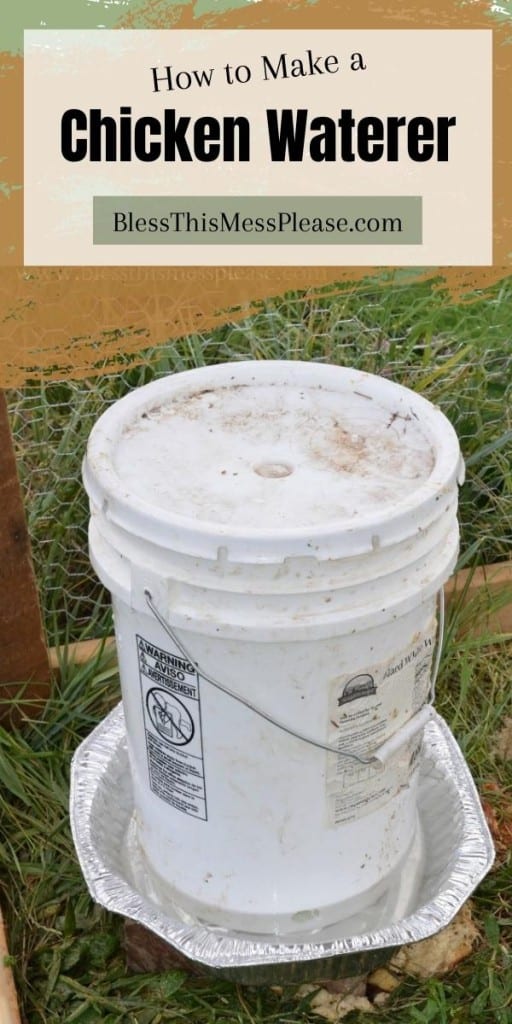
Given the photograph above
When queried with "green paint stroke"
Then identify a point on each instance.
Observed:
(90, 14)
(57, 14)
(220, 6)
(170, 10)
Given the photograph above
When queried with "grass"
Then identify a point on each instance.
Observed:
(459, 356)
(67, 953)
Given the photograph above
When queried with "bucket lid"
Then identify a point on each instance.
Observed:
(272, 459)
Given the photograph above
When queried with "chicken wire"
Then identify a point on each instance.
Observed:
(471, 381)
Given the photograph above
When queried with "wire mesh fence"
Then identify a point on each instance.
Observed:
(458, 356)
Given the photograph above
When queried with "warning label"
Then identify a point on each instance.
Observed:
(172, 718)
(365, 709)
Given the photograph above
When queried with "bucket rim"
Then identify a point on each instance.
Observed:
(204, 537)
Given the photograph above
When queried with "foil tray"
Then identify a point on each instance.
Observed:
(452, 853)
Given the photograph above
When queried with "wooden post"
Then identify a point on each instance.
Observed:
(9, 1012)
(24, 663)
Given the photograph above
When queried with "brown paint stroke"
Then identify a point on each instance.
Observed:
(72, 322)
(11, 165)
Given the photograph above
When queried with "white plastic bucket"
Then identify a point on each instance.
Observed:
(280, 530)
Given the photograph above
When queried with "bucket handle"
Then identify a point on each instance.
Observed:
(382, 753)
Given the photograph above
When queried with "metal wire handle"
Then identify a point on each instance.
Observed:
(281, 725)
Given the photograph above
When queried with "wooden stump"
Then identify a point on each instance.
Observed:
(146, 952)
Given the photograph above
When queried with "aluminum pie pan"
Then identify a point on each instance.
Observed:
(457, 852)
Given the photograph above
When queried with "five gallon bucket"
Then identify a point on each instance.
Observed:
(275, 536)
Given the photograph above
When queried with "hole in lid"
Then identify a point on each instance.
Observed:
(273, 469)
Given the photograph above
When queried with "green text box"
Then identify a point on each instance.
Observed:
(257, 220)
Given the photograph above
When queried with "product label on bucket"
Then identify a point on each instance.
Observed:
(172, 719)
(365, 709)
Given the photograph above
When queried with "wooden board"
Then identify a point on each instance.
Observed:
(484, 596)
(9, 1012)
(24, 665)
(81, 652)
(470, 588)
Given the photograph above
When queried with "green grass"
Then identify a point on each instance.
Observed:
(67, 953)
(457, 355)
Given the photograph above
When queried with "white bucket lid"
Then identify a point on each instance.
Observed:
(272, 459)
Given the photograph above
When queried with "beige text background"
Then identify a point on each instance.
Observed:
(408, 73)
(79, 321)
